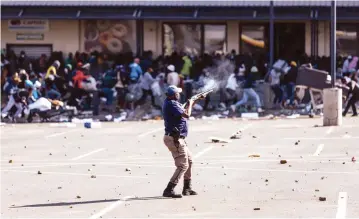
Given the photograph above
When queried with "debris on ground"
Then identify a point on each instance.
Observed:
(322, 177)
(254, 136)
(254, 155)
(322, 199)
(296, 181)
(219, 140)
(70, 206)
(22, 165)
(93, 176)
(10, 161)
(316, 126)
(266, 180)
(343, 162)
(39, 172)
(24, 146)
(78, 196)
(290, 166)
(128, 169)
(59, 187)
(317, 190)
(353, 159)
(197, 145)
(256, 209)
(93, 165)
(235, 136)
(89, 169)
(194, 208)
(283, 161)
(297, 142)
(50, 154)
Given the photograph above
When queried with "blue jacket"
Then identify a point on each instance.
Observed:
(136, 71)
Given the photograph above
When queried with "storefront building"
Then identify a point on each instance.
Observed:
(195, 27)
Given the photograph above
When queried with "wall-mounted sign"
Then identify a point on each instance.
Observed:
(29, 36)
(28, 25)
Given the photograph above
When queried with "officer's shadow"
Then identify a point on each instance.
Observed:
(90, 202)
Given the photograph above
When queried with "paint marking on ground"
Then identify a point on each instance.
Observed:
(60, 133)
(342, 205)
(110, 208)
(330, 130)
(322, 138)
(203, 152)
(319, 149)
(150, 132)
(346, 136)
(88, 154)
(75, 174)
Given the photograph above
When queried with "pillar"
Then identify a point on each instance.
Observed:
(332, 107)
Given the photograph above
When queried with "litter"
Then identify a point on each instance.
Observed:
(10, 161)
(250, 115)
(283, 161)
(66, 124)
(90, 125)
(353, 159)
(254, 155)
(109, 117)
(322, 199)
(257, 209)
(294, 116)
(218, 140)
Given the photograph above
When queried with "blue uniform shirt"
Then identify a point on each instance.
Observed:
(172, 111)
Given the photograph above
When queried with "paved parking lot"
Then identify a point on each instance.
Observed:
(229, 182)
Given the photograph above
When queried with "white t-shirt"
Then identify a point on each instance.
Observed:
(232, 82)
(173, 79)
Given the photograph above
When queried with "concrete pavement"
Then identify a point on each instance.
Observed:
(84, 170)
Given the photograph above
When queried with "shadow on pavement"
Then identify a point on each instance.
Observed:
(90, 202)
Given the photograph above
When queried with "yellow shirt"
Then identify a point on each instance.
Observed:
(49, 70)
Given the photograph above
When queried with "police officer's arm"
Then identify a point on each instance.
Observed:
(179, 111)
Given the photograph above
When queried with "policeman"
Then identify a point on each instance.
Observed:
(175, 133)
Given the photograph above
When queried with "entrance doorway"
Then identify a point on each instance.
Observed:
(289, 42)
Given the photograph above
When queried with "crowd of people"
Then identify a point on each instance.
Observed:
(82, 80)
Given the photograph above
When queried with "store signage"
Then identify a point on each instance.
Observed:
(28, 25)
(29, 36)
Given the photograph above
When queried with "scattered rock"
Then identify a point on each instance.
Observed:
(93, 176)
(197, 145)
(290, 165)
(254, 155)
(322, 199)
(70, 206)
(316, 126)
(296, 143)
(225, 174)
(317, 190)
(93, 165)
(22, 165)
(266, 180)
(10, 161)
(283, 161)
(293, 190)
(78, 196)
(50, 154)
(279, 156)
(24, 146)
(39, 172)
(256, 209)
(254, 136)
(353, 159)
(343, 162)
(235, 136)
(128, 169)
(59, 187)
(89, 169)
(322, 177)
(194, 208)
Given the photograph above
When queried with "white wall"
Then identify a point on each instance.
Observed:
(63, 35)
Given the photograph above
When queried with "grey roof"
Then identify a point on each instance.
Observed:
(174, 3)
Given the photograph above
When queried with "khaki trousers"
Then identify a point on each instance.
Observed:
(182, 157)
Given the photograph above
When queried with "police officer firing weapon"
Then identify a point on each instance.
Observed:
(175, 115)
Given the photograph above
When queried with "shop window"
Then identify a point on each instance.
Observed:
(182, 38)
(347, 39)
(215, 39)
(110, 36)
(252, 39)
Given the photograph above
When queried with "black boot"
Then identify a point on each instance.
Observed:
(169, 191)
(187, 188)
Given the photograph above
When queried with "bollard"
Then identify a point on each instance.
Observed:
(332, 107)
